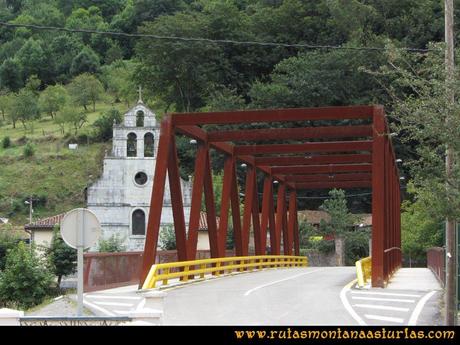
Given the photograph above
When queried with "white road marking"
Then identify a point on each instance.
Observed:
(384, 293)
(380, 307)
(386, 299)
(247, 293)
(104, 311)
(346, 304)
(114, 297)
(384, 318)
(419, 307)
(122, 312)
(115, 304)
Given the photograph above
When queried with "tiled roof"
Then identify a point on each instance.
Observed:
(49, 222)
(315, 217)
(203, 225)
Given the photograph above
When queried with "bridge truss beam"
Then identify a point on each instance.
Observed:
(316, 156)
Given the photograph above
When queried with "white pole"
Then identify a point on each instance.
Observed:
(81, 222)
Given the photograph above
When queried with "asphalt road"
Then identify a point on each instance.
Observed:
(295, 296)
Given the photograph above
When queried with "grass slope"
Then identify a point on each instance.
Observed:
(55, 176)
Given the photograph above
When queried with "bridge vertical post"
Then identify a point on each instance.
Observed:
(248, 207)
(296, 227)
(177, 203)
(266, 204)
(280, 211)
(210, 208)
(236, 218)
(259, 242)
(229, 170)
(197, 194)
(292, 221)
(159, 179)
(378, 197)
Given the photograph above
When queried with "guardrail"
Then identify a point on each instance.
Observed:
(436, 263)
(363, 270)
(187, 270)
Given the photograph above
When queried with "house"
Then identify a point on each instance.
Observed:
(41, 231)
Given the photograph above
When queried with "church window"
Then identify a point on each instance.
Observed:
(138, 222)
(141, 178)
(140, 118)
(132, 145)
(148, 145)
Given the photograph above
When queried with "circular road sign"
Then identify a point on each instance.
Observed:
(80, 228)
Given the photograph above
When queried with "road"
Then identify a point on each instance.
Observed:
(294, 296)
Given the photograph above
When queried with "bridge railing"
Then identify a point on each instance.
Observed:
(187, 270)
(363, 270)
(436, 263)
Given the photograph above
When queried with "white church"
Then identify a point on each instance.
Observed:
(121, 197)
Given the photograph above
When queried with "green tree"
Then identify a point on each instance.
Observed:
(23, 107)
(62, 258)
(118, 79)
(104, 124)
(33, 59)
(11, 75)
(86, 89)
(320, 78)
(5, 99)
(71, 116)
(180, 73)
(53, 99)
(421, 227)
(86, 61)
(65, 48)
(427, 122)
(8, 240)
(340, 222)
(25, 281)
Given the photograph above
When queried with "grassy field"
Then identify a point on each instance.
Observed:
(55, 176)
(46, 127)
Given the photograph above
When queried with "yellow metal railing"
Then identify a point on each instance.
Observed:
(187, 270)
(363, 270)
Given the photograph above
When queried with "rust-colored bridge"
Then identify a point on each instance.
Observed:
(323, 148)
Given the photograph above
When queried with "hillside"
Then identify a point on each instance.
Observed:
(55, 176)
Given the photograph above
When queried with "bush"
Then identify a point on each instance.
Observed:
(6, 142)
(167, 238)
(25, 281)
(356, 246)
(113, 244)
(29, 150)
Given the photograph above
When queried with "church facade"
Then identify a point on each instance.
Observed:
(121, 197)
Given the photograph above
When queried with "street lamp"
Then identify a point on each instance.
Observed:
(193, 141)
(399, 160)
(29, 202)
(244, 165)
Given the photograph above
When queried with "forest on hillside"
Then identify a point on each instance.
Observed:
(203, 55)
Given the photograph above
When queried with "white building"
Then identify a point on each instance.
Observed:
(121, 197)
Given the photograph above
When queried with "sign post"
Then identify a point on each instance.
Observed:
(80, 229)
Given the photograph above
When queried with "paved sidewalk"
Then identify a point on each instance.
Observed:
(420, 279)
(62, 306)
